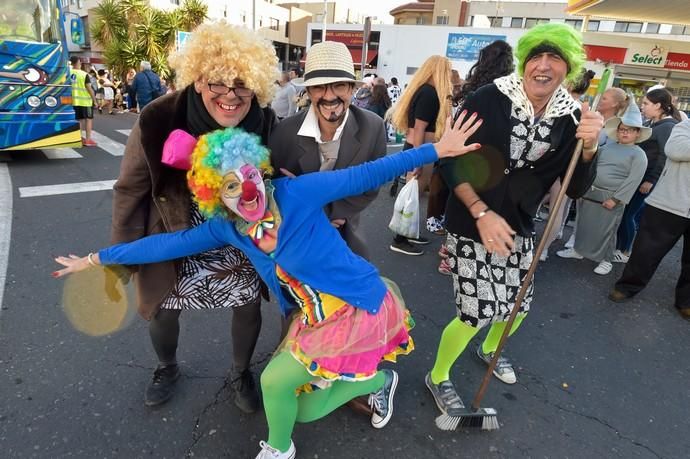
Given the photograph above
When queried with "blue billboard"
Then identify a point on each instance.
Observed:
(466, 47)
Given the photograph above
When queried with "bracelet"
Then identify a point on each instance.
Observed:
(90, 258)
(473, 203)
(482, 213)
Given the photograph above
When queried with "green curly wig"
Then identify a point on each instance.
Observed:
(562, 37)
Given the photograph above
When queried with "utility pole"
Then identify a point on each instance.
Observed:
(325, 19)
(253, 14)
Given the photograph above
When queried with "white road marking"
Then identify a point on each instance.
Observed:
(108, 144)
(66, 188)
(61, 153)
(126, 132)
(5, 225)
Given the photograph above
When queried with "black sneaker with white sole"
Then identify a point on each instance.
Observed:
(405, 248)
(381, 401)
(418, 240)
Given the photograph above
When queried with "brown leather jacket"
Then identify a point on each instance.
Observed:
(152, 198)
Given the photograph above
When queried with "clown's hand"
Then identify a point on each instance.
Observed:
(74, 264)
(454, 138)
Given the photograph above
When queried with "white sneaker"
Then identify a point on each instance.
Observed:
(620, 257)
(571, 241)
(269, 452)
(569, 253)
(603, 268)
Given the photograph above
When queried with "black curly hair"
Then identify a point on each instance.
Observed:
(495, 60)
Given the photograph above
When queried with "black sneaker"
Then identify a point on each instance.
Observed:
(246, 393)
(381, 401)
(406, 248)
(162, 385)
(418, 240)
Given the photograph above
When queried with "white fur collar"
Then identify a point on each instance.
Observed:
(559, 105)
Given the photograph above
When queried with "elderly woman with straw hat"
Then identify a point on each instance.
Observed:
(531, 126)
(331, 134)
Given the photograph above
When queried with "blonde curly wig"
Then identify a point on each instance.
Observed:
(219, 53)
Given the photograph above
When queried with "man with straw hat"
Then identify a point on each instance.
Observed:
(331, 134)
(531, 126)
(620, 167)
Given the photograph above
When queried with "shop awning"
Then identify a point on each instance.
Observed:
(662, 12)
(357, 56)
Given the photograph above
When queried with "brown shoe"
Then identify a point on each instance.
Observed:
(360, 406)
(618, 297)
(684, 313)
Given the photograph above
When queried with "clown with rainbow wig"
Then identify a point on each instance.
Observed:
(345, 318)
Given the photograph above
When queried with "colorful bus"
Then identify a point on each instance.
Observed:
(35, 93)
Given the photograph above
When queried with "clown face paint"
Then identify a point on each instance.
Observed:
(243, 192)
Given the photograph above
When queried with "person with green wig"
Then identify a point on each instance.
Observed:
(530, 129)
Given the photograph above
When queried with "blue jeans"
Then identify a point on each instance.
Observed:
(630, 221)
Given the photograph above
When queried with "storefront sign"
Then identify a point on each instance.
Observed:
(677, 61)
(466, 47)
(349, 38)
(647, 54)
(606, 54)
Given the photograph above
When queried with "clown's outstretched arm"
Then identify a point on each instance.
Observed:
(331, 186)
(152, 249)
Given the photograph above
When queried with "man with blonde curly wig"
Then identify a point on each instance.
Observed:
(531, 126)
(225, 75)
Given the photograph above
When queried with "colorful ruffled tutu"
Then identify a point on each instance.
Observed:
(349, 343)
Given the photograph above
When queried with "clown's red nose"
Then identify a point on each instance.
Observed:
(249, 191)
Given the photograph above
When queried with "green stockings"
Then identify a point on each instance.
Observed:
(282, 376)
(454, 339)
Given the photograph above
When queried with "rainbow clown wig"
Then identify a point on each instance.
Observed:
(561, 38)
(216, 154)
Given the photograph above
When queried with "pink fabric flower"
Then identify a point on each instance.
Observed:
(177, 150)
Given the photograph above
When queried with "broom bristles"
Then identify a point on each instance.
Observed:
(485, 418)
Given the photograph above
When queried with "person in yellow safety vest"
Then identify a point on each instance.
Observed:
(83, 100)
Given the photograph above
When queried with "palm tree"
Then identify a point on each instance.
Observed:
(131, 31)
(108, 23)
(192, 13)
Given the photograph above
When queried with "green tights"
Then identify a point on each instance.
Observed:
(282, 376)
(454, 339)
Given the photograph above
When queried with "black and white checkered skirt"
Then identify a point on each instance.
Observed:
(486, 285)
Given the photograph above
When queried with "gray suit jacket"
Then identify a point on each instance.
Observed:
(363, 139)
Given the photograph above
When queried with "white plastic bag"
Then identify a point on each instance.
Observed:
(405, 220)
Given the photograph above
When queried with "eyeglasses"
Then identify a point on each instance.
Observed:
(625, 130)
(222, 90)
(339, 88)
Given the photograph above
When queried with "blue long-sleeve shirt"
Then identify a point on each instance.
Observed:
(308, 247)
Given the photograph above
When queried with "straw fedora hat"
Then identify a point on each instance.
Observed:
(632, 118)
(328, 62)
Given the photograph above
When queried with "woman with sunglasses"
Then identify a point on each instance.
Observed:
(220, 88)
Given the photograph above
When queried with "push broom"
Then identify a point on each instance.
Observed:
(487, 418)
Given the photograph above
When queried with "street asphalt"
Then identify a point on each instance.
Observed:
(595, 379)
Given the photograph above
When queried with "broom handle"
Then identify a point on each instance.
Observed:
(530, 273)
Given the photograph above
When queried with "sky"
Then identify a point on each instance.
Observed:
(380, 8)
